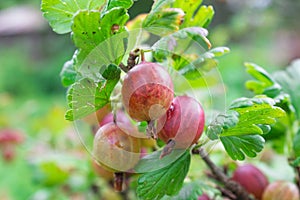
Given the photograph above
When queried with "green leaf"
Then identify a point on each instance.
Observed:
(296, 144)
(165, 181)
(197, 68)
(248, 122)
(101, 41)
(116, 16)
(189, 7)
(162, 19)
(86, 96)
(118, 3)
(241, 125)
(276, 137)
(153, 162)
(268, 85)
(68, 74)
(160, 4)
(219, 51)
(248, 102)
(203, 17)
(195, 16)
(89, 30)
(182, 40)
(49, 173)
(60, 13)
(248, 111)
(265, 128)
(189, 191)
(283, 100)
(213, 130)
(296, 162)
(163, 22)
(289, 80)
(264, 83)
(239, 146)
(188, 50)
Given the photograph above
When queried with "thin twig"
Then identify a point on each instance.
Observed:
(151, 130)
(123, 67)
(231, 185)
(131, 61)
(227, 193)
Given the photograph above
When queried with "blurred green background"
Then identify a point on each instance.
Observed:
(51, 163)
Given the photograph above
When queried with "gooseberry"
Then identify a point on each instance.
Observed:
(183, 123)
(251, 178)
(93, 119)
(9, 138)
(281, 190)
(204, 197)
(115, 147)
(147, 91)
(100, 171)
(120, 118)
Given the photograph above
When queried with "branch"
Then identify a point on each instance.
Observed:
(131, 61)
(229, 184)
(226, 193)
(297, 177)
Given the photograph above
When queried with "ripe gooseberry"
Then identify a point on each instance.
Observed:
(100, 171)
(203, 197)
(183, 123)
(9, 138)
(96, 117)
(115, 148)
(147, 91)
(120, 118)
(281, 190)
(251, 178)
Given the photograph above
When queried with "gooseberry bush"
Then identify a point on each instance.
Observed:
(146, 84)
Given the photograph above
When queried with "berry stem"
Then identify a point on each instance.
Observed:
(115, 116)
(231, 185)
(118, 181)
(131, 61)
(123, 67)
(151, 130)
(142, 55)
(168, 148)
(202, 142)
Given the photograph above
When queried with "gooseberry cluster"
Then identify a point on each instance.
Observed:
(257, 184)
(147, 96)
